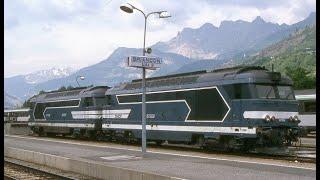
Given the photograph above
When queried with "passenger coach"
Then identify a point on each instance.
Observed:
(307, 108)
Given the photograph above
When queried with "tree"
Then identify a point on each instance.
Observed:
(27, 104)
(301, 78)
(42, 92)
(70, 87)
(62, 88)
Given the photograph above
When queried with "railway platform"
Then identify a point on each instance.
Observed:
(115, 161)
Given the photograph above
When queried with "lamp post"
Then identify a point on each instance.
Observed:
(128, 8)
(81, 77)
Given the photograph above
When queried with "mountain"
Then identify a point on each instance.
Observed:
(209, 64)
(46, 75)
(11, 102)
(298, 50)
(287, 31)
(23, 86)
(114, 70)
(207, 47)
(230, 39)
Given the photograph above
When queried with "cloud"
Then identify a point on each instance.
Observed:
(40, 34)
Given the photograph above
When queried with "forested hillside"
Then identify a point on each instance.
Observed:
(295, 56)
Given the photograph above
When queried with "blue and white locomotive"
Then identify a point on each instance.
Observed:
(76, 111)
(232, 107)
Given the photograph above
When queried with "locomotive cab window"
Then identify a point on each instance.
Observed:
(238, 91)
(285, 92)
(265, 92)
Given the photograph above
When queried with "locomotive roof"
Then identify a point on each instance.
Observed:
(231, 75)
(96, 91)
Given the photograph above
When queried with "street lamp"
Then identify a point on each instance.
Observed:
(81, 77)
(128, 8)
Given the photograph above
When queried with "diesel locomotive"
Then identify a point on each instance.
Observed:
(243, 106)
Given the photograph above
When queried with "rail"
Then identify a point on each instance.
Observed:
(16, 170)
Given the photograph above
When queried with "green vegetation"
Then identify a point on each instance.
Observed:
(27, 104)
(42, 92)
(301, 78)
(294, 56)
(63, 88)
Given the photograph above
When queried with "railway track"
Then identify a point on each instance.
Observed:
(15, 171)
(20, 170)
(291, 153)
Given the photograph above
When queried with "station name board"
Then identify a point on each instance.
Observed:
(144, 62)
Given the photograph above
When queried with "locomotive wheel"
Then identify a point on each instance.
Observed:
(247, 145)
(139, 141)
(91, 135)
(200, 141)
(41, 132)
(159, 142)
(129, 137)
(228, 143)
(75, 134)
(49, 134)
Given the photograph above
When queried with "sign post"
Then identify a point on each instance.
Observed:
(144, 62)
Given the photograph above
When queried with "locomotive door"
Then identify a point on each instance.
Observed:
(106, 108)
(236, 110)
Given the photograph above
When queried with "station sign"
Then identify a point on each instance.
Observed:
(144, 62)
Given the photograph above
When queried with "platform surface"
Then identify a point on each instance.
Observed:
(185, 165)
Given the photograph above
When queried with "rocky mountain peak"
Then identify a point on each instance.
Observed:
(48, 74)
(258, 20)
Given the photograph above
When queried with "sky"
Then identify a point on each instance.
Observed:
(41, 34)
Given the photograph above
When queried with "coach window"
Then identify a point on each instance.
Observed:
(309, 107)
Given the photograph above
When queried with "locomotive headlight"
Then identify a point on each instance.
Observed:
(267, 118)
(296, 118)
(291, 119)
